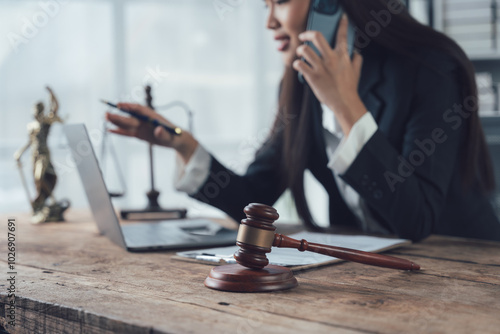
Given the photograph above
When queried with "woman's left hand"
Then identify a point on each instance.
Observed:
(333, 77)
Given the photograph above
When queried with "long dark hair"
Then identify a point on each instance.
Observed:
(403, 35)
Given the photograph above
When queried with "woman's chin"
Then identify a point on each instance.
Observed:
(288, 59)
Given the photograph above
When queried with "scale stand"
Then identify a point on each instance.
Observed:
(153, 211)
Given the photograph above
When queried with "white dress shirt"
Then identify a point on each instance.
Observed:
(341, 154)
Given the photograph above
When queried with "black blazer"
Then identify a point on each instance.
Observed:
(408, 172)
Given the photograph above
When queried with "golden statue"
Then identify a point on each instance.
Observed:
(43, 171)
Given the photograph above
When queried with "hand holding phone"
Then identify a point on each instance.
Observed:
(324, 16)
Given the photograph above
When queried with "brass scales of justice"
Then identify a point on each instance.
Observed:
(153, 210)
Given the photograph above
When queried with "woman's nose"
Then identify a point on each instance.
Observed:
(272, 22)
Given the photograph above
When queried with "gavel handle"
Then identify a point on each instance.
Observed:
(373, 259)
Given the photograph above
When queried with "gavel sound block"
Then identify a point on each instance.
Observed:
(256, 237)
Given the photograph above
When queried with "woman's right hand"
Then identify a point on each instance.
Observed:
(185, 144)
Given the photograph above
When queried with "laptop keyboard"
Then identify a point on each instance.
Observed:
(173, 233)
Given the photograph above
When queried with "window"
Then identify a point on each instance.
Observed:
(220, 61)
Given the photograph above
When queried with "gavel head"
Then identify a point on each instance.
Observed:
(256, 235)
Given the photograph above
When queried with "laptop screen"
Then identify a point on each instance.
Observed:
(93, 182)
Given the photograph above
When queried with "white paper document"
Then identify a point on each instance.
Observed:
(290, 257)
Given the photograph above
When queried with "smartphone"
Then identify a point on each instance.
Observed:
(324, 16)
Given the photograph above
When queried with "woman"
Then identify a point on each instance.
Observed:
(393, 134)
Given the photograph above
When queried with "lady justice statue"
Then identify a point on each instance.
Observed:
(43, 171)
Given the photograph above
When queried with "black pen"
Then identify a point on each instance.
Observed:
(175, 131)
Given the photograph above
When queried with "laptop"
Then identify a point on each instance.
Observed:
(142, 236)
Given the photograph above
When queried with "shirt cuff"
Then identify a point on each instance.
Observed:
(191, 176)
(349, 147)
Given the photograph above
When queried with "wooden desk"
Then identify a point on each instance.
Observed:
(71, 280)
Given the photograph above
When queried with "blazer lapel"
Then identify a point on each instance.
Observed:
(339, 212)
(371, 78)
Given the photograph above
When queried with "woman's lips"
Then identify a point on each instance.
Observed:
(284, 43)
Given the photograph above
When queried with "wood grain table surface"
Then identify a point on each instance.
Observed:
(70, 279)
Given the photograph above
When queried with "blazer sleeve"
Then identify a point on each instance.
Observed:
(231, 192)
(408, 187)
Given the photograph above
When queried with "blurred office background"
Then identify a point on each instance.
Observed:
(220, 61)
(214, 55)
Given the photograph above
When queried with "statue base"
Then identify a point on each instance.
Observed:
(51, 213)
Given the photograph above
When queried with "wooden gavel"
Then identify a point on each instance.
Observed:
(256, 237)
